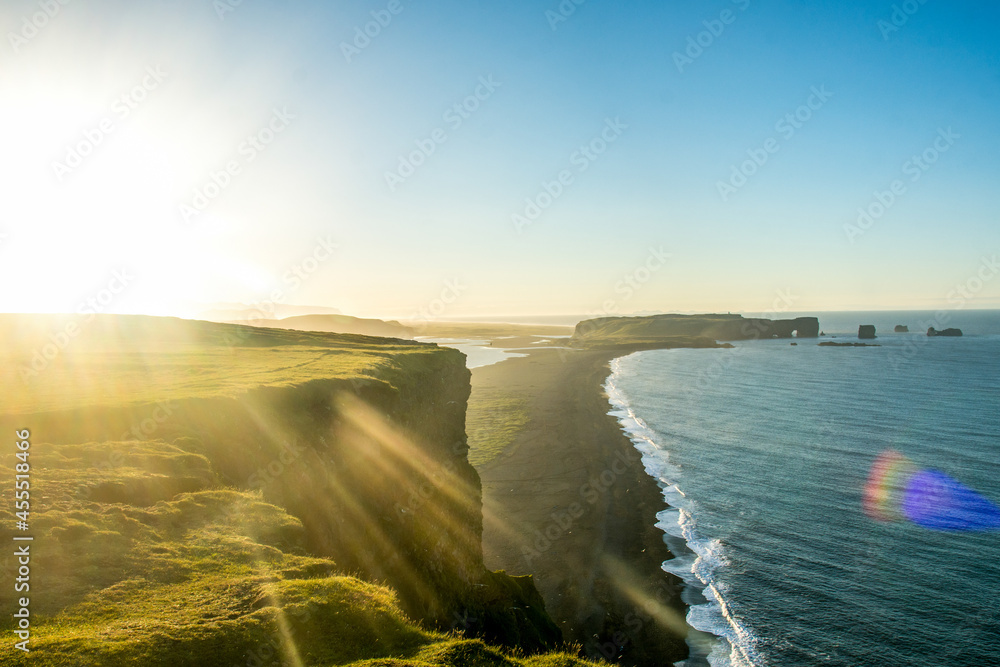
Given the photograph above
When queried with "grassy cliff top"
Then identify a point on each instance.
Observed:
(63, 362)
(650, 326)
(673, 330)
(193, 542)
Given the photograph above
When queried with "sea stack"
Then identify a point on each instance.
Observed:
(866, 331)
(944, 332)
(902, 328)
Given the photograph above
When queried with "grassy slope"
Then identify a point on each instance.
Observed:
(495, 417)
(344, 324)
(105, 363)
(659, 331)
(673, 330)
(210, 575)
(488, 330)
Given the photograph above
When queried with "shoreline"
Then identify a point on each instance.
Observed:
(570, 502)
(701, 641)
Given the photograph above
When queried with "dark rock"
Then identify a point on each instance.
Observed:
(828, 343)
(902, 328)
(866, 331)
(944, 332)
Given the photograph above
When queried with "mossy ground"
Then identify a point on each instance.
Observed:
(114, 361)
(215, 576)
(494, 419)
(142, 555)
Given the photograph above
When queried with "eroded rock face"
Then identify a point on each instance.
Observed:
(866, 332)
(944, 332)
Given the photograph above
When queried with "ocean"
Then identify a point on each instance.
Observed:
(763, 452)
(477, 352)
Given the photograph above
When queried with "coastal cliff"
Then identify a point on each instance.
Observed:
(671, 330)
(305, 456)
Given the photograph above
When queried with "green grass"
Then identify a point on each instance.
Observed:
(493, 420)
(143, 555)
(673, 330)
(115, 360)
(217, 576)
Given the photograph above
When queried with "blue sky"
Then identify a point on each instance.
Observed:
(336, 120)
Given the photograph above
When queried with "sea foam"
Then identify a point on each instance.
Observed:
(696, 559)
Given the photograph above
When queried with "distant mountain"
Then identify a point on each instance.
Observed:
(250, 313)
(343, 324)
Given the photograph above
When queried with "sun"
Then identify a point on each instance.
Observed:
(92, 189)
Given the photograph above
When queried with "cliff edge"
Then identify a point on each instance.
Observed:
(670, 330)
(232, 490)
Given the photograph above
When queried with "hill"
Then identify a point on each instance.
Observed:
(670, 330)
(345, 324)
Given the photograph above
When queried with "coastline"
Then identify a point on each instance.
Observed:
(570, 502)
(703, 642)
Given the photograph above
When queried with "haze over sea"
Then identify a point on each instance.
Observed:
(763, 452)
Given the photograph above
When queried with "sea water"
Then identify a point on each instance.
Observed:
(477, 352)
(763, 452)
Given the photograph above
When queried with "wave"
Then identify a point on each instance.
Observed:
(697, 560)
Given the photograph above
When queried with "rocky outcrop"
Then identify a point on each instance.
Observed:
(832, 344)
(866, 332)
(944, 332)
(901, 328)
(649, 329)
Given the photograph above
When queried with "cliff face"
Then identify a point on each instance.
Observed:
(362, 440)
(644, 330)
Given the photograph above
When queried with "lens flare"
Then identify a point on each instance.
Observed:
(897, 489)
